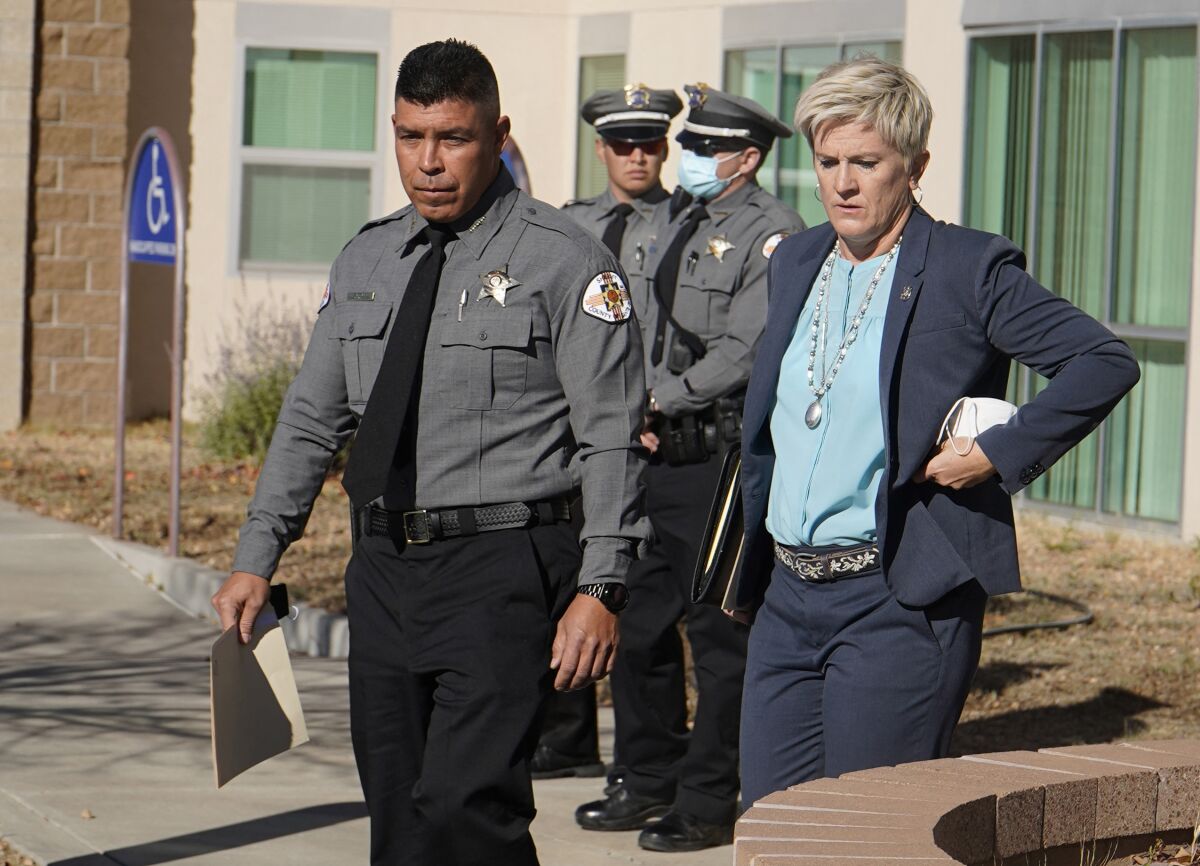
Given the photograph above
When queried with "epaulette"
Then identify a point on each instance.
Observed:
(370, 224)
(541, 214)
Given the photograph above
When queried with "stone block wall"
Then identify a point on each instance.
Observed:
(16, 100)
(80, 150)
(1055, 807)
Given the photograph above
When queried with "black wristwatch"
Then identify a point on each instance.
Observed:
(613, 596)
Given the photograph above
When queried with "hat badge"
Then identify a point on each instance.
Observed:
(696, 94)
(637, 96)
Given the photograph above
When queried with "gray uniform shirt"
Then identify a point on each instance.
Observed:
(643, 228)
(519, 402)
(721, 295)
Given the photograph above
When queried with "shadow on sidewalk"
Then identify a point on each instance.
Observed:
(224, 838)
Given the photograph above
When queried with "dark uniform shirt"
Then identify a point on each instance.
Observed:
(721, 296)
(519, 402)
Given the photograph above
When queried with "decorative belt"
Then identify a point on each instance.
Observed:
(827, 564)
(426, 525)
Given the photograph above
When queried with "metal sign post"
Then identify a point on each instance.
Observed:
(152, 231)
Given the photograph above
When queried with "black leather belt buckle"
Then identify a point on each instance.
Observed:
(418, 528)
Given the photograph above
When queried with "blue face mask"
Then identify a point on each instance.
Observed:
(698, 174)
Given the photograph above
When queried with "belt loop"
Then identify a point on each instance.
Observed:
(466, 522)
(545, 513)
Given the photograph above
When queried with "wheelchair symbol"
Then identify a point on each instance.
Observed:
(156, 218)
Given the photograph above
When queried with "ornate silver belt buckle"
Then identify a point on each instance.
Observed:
(417, 527)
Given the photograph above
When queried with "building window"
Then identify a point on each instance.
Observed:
(601, 72)
(308, 151)
(1078, 146)
(774, 78)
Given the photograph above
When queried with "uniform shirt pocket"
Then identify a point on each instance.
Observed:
(487, 358)
(361, 328)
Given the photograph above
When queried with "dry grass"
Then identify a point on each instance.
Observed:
(1131, 674)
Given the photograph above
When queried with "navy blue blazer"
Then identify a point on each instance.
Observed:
(961, 306)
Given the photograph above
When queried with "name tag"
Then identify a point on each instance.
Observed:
(360, 296)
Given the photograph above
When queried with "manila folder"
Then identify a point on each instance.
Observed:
(255, 706)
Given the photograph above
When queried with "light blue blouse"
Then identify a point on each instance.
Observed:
(825, 480)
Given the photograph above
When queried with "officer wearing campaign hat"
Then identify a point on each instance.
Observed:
(707, 280)
(631, 141)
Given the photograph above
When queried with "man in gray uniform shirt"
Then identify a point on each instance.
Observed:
(481, 344)
(709, 286)
(631, 141)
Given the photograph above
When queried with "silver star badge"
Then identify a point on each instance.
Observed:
(496, 285)
(718, 246)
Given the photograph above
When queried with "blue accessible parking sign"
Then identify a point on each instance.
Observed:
(152, 207)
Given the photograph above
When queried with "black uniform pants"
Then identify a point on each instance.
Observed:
(449, 663)
(569, 727)
(698, 770)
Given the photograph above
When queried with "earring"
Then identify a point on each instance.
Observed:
(817, 193)
(918, 195)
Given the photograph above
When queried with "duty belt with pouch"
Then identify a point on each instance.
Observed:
(425, 525)
(694, 438)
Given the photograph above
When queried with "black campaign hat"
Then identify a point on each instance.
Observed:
(633, 114)
(727, 116)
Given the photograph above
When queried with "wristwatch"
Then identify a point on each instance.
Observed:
(653, 403)
(613, 596)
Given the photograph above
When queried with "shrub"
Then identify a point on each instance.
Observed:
(257, 360)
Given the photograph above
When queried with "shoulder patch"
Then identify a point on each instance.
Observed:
(605, 297)
(324, 299)
(769, 245)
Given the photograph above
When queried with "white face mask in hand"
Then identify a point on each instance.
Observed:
(970, 416)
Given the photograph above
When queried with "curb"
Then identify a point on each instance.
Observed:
(190, 585)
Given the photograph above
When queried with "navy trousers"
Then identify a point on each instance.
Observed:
(842, 677)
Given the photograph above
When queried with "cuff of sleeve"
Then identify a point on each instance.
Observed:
(605, 560)
(256, 559)
(1015, 473)
(671, 395)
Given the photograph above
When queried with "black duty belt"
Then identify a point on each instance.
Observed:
(426, 525)
(827, 564)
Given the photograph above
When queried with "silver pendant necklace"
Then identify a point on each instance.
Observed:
(820, 332)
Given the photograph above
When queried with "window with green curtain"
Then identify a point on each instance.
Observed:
(752, 73)
(309, 99)
(1000, 136)
(1130, 267)
(301, 214)
(1144, 460)
(602, 72)
(775, 78)
(1157, 177)
(797, 179)
(1073, 187)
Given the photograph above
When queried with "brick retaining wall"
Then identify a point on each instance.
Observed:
(1058, 804)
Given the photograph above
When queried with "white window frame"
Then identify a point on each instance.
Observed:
(373, 161)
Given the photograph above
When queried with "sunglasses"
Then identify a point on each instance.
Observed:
(712, 147)
(625, 148)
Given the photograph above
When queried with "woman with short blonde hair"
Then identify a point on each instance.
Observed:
(872, 542)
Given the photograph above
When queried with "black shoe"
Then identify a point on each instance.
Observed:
(549, 764)
(616, 778)
(620, 810)
(679, 831)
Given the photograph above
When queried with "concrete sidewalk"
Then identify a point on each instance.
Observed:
(104, 739)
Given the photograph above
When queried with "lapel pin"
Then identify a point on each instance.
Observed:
(906, 293)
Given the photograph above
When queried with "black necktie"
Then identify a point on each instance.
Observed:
(667, 275)
(615, 230)
(391, 409)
